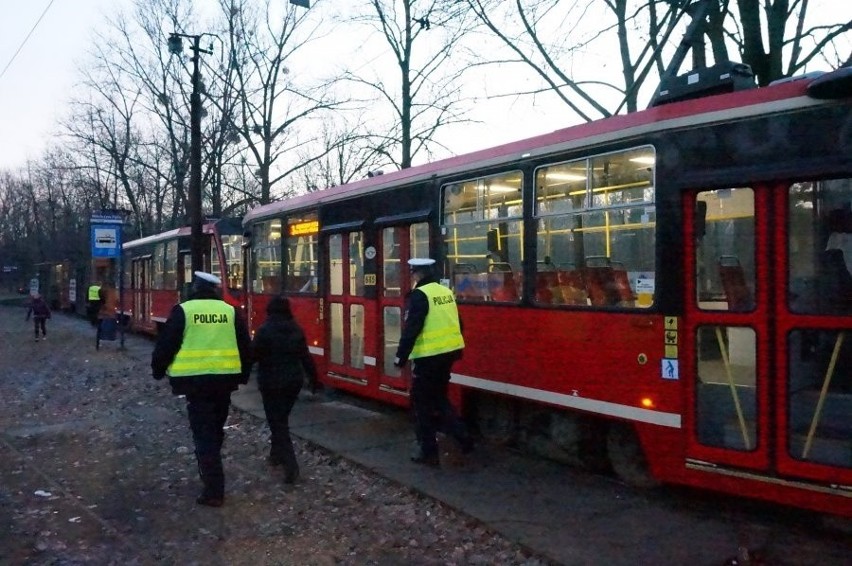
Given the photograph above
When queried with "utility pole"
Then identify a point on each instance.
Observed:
(194, 195)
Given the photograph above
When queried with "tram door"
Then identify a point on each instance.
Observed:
(726, 330)
(348, 310)
(767, 322)
(141, 280)
(398, 245)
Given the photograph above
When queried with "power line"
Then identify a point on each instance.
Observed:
(24, 42)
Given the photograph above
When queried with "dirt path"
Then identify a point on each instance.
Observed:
(97, 467)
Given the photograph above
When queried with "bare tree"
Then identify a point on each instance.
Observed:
(274, 111)
(424, 37)
(550, 38)
(786, 44)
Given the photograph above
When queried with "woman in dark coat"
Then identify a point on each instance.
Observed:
(284, 362)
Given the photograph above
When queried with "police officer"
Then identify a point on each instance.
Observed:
(93, 296)
(432, 339)
(204, 347)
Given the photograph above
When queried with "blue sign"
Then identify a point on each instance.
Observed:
(106, 240)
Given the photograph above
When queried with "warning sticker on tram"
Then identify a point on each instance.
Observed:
(671, 323)
(670, 369)
(671, 337)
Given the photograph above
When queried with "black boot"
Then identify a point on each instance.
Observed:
(213, 478)
(291, 473)
(291, 466)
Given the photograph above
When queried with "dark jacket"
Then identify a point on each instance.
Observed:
(281, 353)
(169, 341)
(38, 308)
(416, 309)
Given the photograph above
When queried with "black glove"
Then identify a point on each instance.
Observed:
(159, 376)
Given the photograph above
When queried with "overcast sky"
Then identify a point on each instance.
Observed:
(37, 74)
(36, 84)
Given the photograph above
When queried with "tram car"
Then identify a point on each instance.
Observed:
(158, 271)
(665, 293)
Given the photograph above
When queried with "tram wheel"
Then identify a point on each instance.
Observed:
(627, 458)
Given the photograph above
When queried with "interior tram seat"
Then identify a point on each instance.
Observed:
(599, 276)
(734, 284)
(465, 285)
(501, 283)
(626, 297)
(572, 286)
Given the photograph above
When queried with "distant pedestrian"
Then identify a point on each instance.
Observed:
(204, 348)
(284, 364)
(432, 339)
(40, 312)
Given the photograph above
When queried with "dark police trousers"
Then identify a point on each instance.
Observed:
(207, 415)
(432, 410)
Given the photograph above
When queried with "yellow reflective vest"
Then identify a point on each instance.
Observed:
(93, 292)
(441, 330)
(209, 344)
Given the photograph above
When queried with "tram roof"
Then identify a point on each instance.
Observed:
(786, 95)
(207, 228)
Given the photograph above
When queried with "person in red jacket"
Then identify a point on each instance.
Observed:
(40, 312)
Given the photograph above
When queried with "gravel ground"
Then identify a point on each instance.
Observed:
(98, 468)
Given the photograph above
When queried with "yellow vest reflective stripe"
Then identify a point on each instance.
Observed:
(209, 344)
(441, 331)
(93, 292)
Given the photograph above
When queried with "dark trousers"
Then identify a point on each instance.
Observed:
(40, 322)
(433, 412)
(207, 415)
(92, 312)
(277, 404)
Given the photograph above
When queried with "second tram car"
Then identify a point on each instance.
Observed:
(158, 270)
(665, 292)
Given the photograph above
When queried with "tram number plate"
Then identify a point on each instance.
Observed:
(369, 279)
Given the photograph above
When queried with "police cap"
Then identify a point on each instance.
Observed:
(421, 264)
(206, 279)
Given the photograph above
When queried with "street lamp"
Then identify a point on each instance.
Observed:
(194, 197)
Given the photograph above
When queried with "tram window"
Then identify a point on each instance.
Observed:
(157, 281)
(726, 392)
(820, 247)
(356, 336)
(725, 251)
(232, 250)
(819, 397)
(170, 266)
(391, 269)
(335, 264)
(483, 237)
(595, 231)
(302, 254)
(266, 257)
(356, 264)
(392, 330)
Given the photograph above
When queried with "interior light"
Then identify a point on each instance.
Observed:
(644, 160)
(565, 177)
(647, 402)
(499, 189)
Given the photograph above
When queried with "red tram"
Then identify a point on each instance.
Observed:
(666, 292)
(158, 270)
